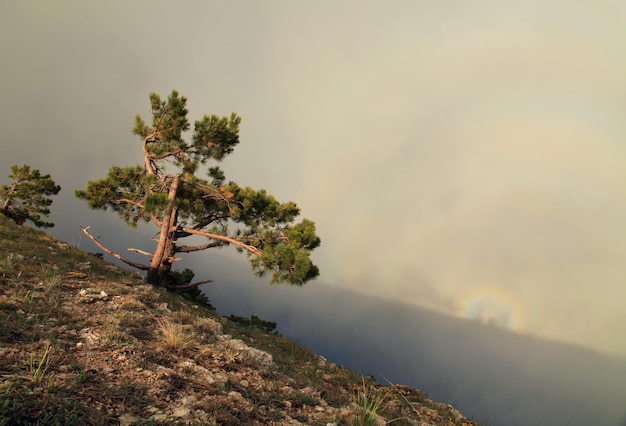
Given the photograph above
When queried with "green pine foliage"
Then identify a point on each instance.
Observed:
(169, 191)
(28, 196)
(255, 322)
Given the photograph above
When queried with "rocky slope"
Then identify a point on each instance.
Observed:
(85, 343)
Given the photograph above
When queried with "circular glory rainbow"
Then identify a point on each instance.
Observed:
(494, 306)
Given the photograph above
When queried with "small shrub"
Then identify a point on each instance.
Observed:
(303, 399)
(254, 322)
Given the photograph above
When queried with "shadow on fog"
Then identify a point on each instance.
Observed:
(490, 374)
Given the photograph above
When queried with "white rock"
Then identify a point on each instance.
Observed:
(189, 399)
(181, 412)
(152, 409)
(112, 268)
(262, 358)
(235, 395)
(161, 418)
(220, 377)
(84, 266)
(128, 419)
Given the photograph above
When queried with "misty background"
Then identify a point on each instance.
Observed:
(464, 164)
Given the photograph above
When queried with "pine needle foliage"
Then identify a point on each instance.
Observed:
(27, 197)
(167, 191)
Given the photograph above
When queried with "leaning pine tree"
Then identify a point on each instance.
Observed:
(166, 191)
(28, 196)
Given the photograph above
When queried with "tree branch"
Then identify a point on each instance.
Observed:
(145, 253)
(6, 204)
(156, 221)
(115, 255)
(208, 220)
(189, 249)
(192, 285)
(216, 193)
(128, 201)
(225, 239)
(168, 154)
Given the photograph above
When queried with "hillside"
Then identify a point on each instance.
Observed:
(83, 342)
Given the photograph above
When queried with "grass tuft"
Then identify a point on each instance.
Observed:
(370, 401)
(175, 335)
(38, 365)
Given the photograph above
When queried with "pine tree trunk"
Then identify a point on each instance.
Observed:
(161, 265)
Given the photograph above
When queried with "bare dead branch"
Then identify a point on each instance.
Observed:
(145, 253)
(225, 239)
(112, 253)
(189, 249)
(192, 285)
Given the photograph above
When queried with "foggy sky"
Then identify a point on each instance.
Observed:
(443, 149)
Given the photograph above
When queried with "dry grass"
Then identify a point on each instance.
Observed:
(175, 335)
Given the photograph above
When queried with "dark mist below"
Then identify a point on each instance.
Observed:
(490, 374)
